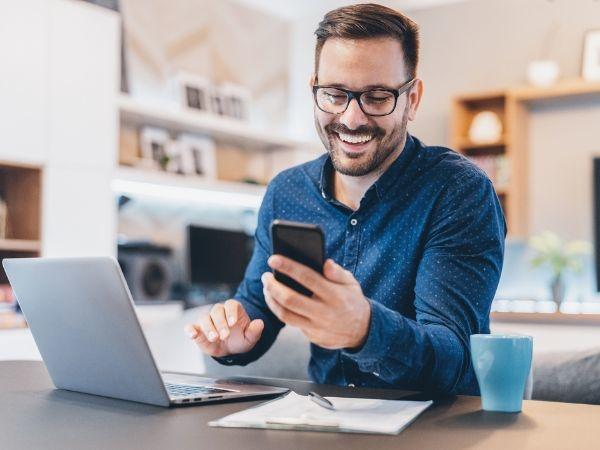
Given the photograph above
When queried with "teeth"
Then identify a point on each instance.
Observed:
(359, 139)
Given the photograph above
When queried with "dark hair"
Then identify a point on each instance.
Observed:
(369, 20)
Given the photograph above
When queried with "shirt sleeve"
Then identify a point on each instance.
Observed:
(250, 290)
(456, 281)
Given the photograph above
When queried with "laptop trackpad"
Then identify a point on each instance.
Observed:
(221, 383)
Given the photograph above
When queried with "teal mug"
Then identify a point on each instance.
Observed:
(502, 364)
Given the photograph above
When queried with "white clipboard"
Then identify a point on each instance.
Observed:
(351, 415)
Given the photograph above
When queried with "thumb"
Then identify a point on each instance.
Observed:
(254, 330)
(336, 273)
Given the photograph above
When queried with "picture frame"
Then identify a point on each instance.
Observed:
(154, 144)
(590, 66)
(198, 155)
(194, 92)
(236, 100)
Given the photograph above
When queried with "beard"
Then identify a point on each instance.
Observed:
(372, 161)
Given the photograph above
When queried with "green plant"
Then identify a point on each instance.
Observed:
(559, 256)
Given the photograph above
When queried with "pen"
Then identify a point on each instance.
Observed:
(321, 401)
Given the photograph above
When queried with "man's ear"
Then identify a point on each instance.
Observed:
(312, 81)
(414, 98)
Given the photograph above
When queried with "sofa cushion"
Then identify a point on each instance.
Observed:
(572, 377)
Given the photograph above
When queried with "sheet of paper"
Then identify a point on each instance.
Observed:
(351, 415)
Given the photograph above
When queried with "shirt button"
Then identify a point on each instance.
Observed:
(323, 195)
(351, 385)
(353, 222)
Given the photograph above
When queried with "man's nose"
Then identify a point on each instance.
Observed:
(353, 117)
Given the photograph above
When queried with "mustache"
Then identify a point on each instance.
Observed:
(362, 130)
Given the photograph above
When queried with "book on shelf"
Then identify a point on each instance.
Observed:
(495, 167)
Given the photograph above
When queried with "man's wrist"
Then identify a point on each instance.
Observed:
(362, 329)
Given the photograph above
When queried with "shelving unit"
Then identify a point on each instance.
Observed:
(20, 188)
(178, 120)
(464, 110)
(512, 108)
(238, 145)
(172, 186)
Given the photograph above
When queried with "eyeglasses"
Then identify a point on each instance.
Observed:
(375, 102)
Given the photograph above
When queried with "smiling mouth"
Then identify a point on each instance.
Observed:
(354, 145)
(355, 139)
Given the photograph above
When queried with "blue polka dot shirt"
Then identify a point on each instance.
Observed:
(426, 245)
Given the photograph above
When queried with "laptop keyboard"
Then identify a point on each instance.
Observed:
(186, 390)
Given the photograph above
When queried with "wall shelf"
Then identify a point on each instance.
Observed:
(20, 189)
(512, 107)
(20, 245)
(232, 131)
(546, 318)
(173, 187)
(466, 144)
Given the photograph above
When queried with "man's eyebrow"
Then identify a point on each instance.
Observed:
(370, 87)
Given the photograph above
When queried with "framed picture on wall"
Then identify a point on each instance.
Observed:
(198, 155)
(590, 67)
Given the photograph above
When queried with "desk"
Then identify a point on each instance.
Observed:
(34, 415)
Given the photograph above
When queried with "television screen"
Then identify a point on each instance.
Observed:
(217, 256)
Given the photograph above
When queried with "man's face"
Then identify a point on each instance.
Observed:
(359, 65)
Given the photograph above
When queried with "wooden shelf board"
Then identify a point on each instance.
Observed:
(563, 89)
(20, 245)
(5, 163)
(180, 120)
(549, 318)
(482, 97)
(467, 144)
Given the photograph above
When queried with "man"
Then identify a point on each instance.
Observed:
(415, 234)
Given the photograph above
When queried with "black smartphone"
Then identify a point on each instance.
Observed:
(302, 242)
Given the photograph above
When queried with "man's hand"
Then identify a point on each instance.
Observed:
(226, 330)
(336, 316)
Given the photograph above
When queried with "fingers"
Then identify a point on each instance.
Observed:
(207, 327)
(195, 332)
(285, 315)
(336, 273)
(287, 297)
(234, 311)
(254, 330)
(304, 275)
(217, 315)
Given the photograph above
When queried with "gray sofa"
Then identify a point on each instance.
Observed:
(572, 377)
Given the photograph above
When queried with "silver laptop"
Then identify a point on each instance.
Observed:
(83, 321)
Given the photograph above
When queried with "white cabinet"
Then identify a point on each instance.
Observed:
(83, 85)
(24, 31)
(59, 78)
(78, 213)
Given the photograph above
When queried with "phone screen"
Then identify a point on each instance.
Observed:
(301, 242)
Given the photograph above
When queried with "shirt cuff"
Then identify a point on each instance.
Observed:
(372, 352)
(233, 360)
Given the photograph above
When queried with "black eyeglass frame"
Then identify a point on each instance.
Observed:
(357, 94)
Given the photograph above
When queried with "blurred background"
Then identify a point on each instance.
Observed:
(147, 130)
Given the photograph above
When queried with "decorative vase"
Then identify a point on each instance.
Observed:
(557, 288)
(543, 72)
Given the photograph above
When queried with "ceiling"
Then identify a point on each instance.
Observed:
(293, 9)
